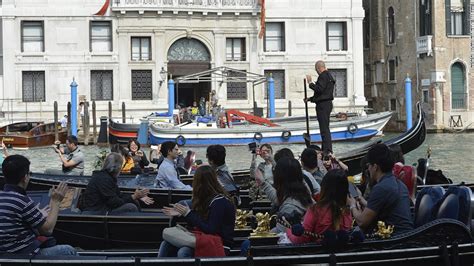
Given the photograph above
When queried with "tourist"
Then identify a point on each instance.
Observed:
(189, 160)
(71, 157)
(290, 193)
(329, 213)
(216, 157)
(211, 212)
(388, 200)
(406, 173)
(321, 167)
(22, 220)
(168, 176)
(330, 162)
(266, 167)
(311, 173)
(283, 153)
(5, 152)
(63, 121)
(155, 155)
(102, 194)
(128, 163)
(194, 110)
(138, 155)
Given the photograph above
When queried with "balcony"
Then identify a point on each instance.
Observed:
(190, 6)
(424, 45)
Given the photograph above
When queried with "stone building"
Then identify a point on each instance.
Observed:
(128, 53)
(430, 41)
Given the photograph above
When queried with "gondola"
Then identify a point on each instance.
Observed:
(135, 239)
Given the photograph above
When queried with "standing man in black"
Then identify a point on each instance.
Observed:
(323, 96)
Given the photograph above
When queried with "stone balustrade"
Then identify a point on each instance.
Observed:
(204, 6)
(424, 45)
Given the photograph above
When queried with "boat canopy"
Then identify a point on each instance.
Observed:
(221, 74)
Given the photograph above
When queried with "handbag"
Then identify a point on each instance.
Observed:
(179, 236)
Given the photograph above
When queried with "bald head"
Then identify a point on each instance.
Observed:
(320, 66)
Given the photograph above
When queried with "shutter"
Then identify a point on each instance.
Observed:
(344, 32)
(448, 16)
(283, 40)
(467, 17)
(327, 36)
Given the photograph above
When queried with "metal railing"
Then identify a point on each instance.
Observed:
(458, 100)
(424, 45)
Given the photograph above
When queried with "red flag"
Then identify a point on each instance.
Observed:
(262, 19)
(104, 8)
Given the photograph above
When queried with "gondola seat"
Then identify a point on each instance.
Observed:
(424, 204)
(456, 204)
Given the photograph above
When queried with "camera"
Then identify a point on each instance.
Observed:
(253, 147)
(58, 146)
(326, 158)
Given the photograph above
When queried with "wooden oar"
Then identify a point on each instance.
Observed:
(427, 164)
(306, 136)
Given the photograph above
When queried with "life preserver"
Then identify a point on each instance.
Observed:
(180, 140)
(258, 136)
(286, 135)
(352, 128)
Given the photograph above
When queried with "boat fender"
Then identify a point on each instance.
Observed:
(258, 136)
(286, 135)
(352, 128)
(180, 140)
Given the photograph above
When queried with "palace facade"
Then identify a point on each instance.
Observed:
(126, 51)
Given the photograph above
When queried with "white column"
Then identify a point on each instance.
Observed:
(358, 62)
(439, 106)
(124, 89)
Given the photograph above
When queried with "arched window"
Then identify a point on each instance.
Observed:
(187, 49)
(391, 25)
(458, 86)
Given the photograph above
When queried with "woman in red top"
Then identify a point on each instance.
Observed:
(330, 212)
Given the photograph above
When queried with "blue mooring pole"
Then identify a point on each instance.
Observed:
(271, 96)
(408, 102)
(170, 96)
(73, 107)
(143, 131)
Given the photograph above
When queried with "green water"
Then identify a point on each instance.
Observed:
(452, 153)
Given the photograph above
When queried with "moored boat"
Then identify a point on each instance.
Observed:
(202, 134)
(24, 135)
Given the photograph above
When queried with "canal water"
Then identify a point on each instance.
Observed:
(452, 153)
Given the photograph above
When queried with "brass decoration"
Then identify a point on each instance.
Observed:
(383, 231)
(263, 226)
(241, 218)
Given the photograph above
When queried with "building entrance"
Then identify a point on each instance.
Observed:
(189, 56)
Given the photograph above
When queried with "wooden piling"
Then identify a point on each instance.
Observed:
(110, 110)
(69, 118)
(56, 134)
(85, 125)
(123, 112)
(289, 108)
(94, 123)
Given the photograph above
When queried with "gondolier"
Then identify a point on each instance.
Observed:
(323, 95)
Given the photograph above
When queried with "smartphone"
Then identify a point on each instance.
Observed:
(353, 190)
(198, 162)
